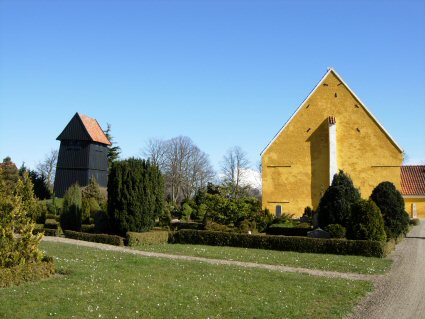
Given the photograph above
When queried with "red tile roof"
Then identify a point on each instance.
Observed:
(94, 130)
(413, 180)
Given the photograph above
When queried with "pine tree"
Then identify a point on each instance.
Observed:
(113, 151)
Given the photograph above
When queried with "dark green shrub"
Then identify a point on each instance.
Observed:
(39, 212)
(88, 228)
(16, 275)
(93, 191)
(391, 204)
(247, 226)
(263, 219)
(51, 216)
(415, 221)
(366, 222)
(89, 208)
(164, 219)
(41, 188)
(191, 225)
(147, 238)
(53, 207)
(50, 232)
(335, 205)
(101, 223)
(282, 243)
(281, 229)
(211, 226)
(336, 231)
(97, 238)
(51, 224)
(285, 218)
(307, 217)
(214, 203)
(71, 211)
(135, 195)
(38, 228)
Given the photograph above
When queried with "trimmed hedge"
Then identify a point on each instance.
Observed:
(277, 229)
(415, 221)
(283, 243)
(53, 216)
(180, 225)
(97, 238)
(147, 238)
(50, 232)
(51, 224)
(28, 272)
(87, 228)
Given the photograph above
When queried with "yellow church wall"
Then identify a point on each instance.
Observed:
(296, 165)
(420, 206)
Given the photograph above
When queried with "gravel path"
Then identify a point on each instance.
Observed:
(314, 272)
(401, 293)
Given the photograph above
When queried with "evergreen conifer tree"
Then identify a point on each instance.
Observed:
(391, 204)
(335, 205)
(113, 151)
(135, 195)
(70, 218)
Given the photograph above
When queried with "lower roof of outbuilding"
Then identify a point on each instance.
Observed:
(413, 180)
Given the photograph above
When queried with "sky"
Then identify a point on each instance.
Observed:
(223, 73)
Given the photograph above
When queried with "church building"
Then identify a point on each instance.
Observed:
(331, 130)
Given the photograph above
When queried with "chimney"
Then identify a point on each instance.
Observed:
(333, 166)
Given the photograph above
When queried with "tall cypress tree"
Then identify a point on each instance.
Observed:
(135, 195)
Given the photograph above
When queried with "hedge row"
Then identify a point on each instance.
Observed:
(28, 272)
(89, 228)
(50, 232)
(38, 228)
(288, 231)
(51, 224)
(182, 225)
(147, 238)
(283, 243)
(97, 238)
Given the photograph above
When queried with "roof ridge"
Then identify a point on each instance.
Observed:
(95, 132)
(332, 70)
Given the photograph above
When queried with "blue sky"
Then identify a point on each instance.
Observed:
(221, 72)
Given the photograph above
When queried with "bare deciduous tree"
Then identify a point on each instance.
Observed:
(186, 168)
(48, 167)
(235, 164)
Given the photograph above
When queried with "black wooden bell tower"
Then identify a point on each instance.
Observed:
(83, 154)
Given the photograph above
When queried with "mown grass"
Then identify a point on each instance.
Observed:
(339, 263)
(101, 284)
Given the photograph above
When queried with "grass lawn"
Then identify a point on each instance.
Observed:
(100, 284)
(340, 263)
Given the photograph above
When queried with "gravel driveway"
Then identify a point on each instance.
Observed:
(401, 293)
